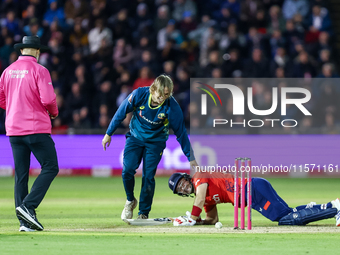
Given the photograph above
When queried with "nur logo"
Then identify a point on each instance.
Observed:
(204, 97)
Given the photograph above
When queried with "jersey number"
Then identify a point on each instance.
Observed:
(216, 198)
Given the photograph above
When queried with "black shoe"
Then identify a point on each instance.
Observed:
(29, 216)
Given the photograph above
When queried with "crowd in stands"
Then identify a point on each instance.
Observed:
(103, 49)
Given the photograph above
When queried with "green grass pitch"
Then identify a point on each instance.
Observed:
(81, 215)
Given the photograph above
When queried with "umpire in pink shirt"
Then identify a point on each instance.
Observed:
(27, 95)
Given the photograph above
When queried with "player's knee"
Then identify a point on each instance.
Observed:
(126, 175)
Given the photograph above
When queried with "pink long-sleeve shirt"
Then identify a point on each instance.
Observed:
(27, 95)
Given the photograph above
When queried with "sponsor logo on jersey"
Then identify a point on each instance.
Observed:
(229, 186)
(161, 116)
(150, 121)
(18, 73)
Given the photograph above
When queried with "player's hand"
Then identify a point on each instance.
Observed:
(51, 116)
(106, 141)
(184, 221)
(193, 165)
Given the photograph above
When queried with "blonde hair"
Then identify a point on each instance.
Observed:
(161, 82)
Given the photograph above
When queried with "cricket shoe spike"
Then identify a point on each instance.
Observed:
(29, 216)
(127, 212)
(336, 204)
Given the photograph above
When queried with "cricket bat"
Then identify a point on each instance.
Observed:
(148, 222)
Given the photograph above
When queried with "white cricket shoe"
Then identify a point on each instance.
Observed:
(336, 204)
(337, 218)
(127, 212)
(25, 227)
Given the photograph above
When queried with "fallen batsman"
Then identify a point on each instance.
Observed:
(210, 189)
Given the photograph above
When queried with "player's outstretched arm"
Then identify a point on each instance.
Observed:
(106, 141)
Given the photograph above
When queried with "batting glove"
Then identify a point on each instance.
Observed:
(184, 221)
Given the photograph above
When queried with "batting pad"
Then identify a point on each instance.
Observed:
(147, 222)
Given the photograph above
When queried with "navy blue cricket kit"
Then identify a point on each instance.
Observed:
(149, 131)
(266, 201)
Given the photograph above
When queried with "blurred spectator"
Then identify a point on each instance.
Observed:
(13, 57)
(142, 20)
(214, 62)
(163, 17)
(276, 21)
(260, 21)
(33, 28)
(292, 35)
(12, 24)
(144, 79)
(257, 66)
(98, 34)
(143, 44)
(233, 39)
(232, 65)
(328, 71)
(187, 24)
(54, 13)
(105, 96)
(324, 57)
(169, 68)
(76, 101)
(79, 40)
(276, 41)
(169, 33)
(122, 53)
(99, 10)
(28, 14)
(225, 16)
(213, 35)
(181, 6)
(319, 20)
(304, 66)
(6, 50)
(147, 60)
(121, 25)
(123, 80)
(233, 6)
(255, 40)
(249, 9)
(280, 60)
(292, 7)
(183, 81)
(206, 23)
(75, 9)
(124, 92)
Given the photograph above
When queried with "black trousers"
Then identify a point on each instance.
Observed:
(43, 148)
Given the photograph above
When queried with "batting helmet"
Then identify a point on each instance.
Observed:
(174, 180)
